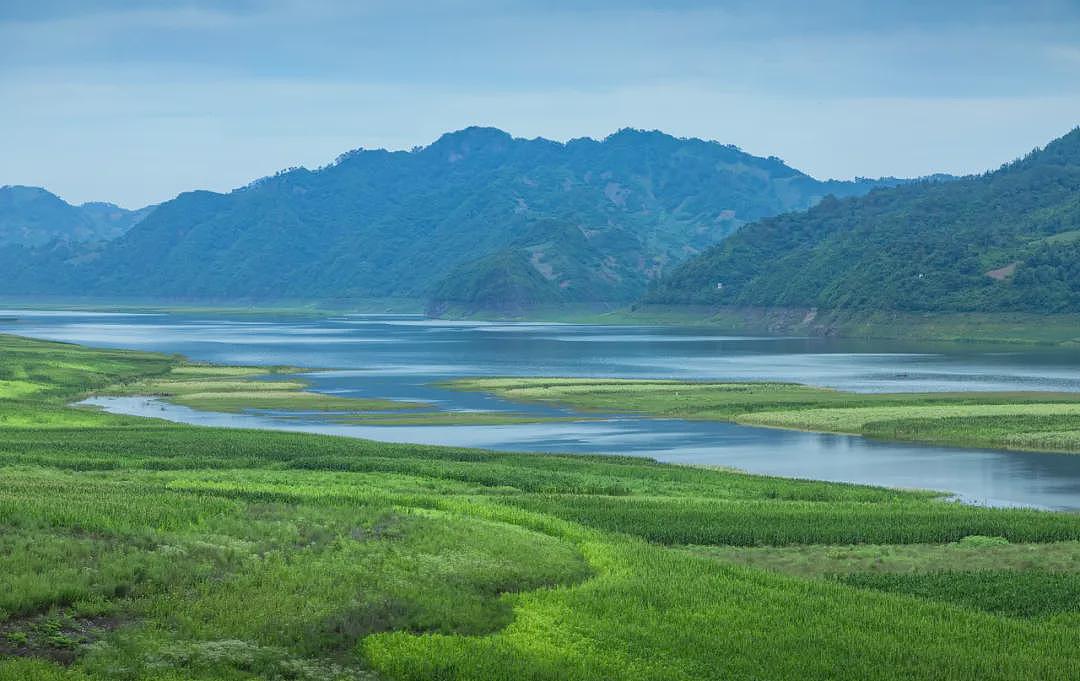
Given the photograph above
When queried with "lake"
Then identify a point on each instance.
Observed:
(403, 357)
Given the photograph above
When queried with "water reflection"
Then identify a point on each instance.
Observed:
(976, 476)
(404, 357)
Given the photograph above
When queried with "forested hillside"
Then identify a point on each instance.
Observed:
(1005, 240)
(477, 217)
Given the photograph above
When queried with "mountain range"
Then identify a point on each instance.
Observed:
(1007, 240)
(31, 216)
(477, 219)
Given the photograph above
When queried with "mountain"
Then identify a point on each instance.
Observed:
(478, 218)
(111, 220)
(1005, 240)
(31, 216)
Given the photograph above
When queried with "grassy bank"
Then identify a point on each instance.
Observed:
(1041, 421)
(140, 549)
(263, 390)
(962, 327)
(237, 389)
(285, 307)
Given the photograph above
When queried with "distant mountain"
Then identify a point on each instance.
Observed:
(112, 220)
(31, 216)
(1005, 240)
(477, 218)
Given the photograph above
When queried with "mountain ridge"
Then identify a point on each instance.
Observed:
(1006, 240)
(592, 219)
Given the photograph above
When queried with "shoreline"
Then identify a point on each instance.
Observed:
(1058, 330)
(806, 402)
(139, 538)
(945, 496)
(329, 427)
(381, 421)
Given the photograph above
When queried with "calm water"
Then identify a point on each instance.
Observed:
(401, 357)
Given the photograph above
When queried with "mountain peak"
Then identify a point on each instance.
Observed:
(638, 134)
(20, 192)
(470, 140)
(101, 205)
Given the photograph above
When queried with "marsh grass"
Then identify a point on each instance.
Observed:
(238, 389)
(972, 553)
(449, 418)
(1033, 593)
(1041, 421)
(246, 389)
(240, 555)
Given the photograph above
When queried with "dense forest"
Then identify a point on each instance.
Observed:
(477, 217)
(1005, 240)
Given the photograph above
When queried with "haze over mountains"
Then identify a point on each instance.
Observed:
(482, 221)
(1005, 240)
(478, 218)
(31, 216)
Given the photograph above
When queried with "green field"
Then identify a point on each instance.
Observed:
(1039, 421)
(987, 573)
(139, 549)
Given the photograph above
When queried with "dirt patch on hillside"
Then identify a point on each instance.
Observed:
(1003, 273)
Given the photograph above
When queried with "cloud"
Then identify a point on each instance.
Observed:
(135, 101)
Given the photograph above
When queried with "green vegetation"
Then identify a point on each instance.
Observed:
(1002, 327)
(1045, 428)
(279, 307)
(1003, 241)
(965, 327)
(1040, 421)
(232, 389)
(1034, 593)
(583, 221)
(280, 400)
(240, 389)
(858, 419)
(448, 418)
(140, 549)
(985, 573)
(975, 553)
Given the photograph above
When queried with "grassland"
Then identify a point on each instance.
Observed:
(448, 418)
(1039, 421)
(262, 390)
(237, 389)
(140, 549)
(986, 573)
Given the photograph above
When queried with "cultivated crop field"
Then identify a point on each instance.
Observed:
(1039, 421)
(140, 549)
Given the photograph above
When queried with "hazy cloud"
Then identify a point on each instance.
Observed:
(136, 101)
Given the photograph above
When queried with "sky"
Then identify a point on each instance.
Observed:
(133, 102)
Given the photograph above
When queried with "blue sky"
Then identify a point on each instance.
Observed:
(134, 102)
